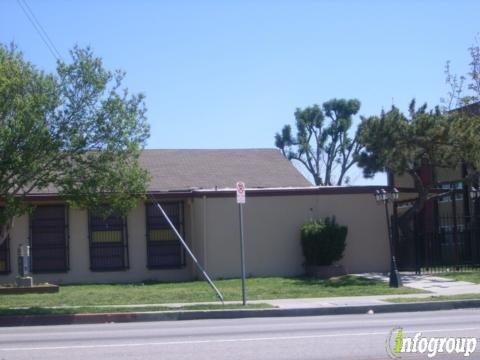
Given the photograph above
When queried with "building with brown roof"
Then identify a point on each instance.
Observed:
(196, 188)
(186, 169)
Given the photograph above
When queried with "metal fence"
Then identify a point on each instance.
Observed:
(440, 239)
(455, 246)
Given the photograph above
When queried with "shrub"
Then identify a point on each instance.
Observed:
(323, 241)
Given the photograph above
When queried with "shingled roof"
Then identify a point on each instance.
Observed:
(184, 169)
(470, 110)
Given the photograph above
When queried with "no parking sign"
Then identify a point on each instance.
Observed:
(240, 192)
(240, 186)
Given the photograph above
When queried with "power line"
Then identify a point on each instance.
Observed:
(39, 29)
(29, 17)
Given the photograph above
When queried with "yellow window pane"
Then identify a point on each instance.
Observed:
(3, 265)
(106, 236)
(162, 234)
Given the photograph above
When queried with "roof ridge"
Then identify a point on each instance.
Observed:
(172, 169)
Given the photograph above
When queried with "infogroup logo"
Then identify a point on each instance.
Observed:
(398, 344)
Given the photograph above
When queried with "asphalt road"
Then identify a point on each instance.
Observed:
(322, 337)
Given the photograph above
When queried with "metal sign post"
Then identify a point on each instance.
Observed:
(240, 201)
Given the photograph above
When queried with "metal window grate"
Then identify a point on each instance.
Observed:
(5, 257)
(108, 243)
(48, 238)
(163, 248)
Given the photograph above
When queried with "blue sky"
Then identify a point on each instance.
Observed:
(229, 74)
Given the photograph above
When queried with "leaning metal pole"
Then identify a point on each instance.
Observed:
(395, 280)
(187, 249)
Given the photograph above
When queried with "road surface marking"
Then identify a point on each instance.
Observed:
(212, 341)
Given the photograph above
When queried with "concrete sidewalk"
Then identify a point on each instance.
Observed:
(432, 285)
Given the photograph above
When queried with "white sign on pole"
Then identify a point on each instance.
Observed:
(240, 201)
(240, 192)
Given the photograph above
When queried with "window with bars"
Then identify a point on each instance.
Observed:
(5, 256)
(108, 243)
(49, 238)
(163, 248)
(451, 186)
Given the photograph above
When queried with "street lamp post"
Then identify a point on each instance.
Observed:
(386, 197)
(475, 195)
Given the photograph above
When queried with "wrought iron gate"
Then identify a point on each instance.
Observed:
(444, 236)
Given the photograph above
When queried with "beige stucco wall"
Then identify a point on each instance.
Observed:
(446, 175)
(441, 175)
(200, 232)
(79, 252)
(403, 181)
(272, 235)
(272, 238)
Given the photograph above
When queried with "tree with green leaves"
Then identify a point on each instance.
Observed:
(323, 144)
(403, 144)
(464, 89)
(75, 132)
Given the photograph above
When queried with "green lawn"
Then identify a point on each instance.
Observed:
(436, 298)
(199, 291)
(472, 276)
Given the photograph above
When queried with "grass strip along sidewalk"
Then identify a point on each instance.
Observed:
(86, 297)
(97, 310)
(434, 298)
(470, 276)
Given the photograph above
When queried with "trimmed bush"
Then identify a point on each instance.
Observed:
(323, 241)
